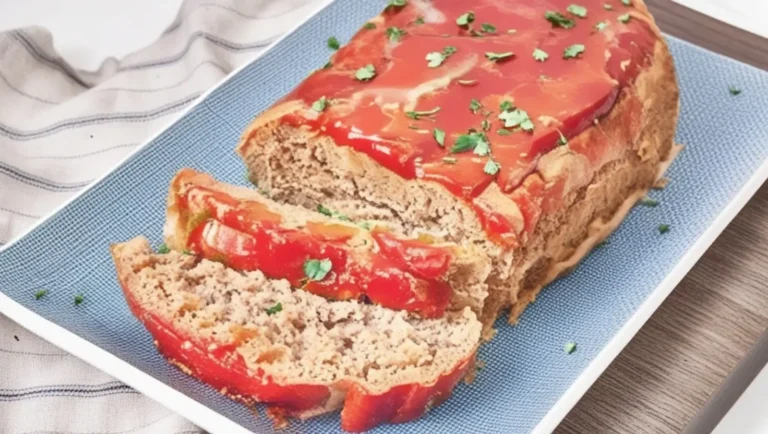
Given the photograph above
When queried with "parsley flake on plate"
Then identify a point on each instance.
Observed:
(561, 141)
(369, 26)
(449, 50)
(601, 25)
(439, 135)
(40, 294)
(496, 57)
(734, 90)
(274, 309)
(573, 51)
(559, 20)
(395, 33)
(624, 18)
(365, 73)
(663, 228)
(485, 124)
(333, 43)
(416, 115)
(419, 21)
(540, 55)
(503, 132)
(506, 106)
(322, 209)
(475, 105)
(163, 249)
(317, 269)
(466, 19)
(397, 3)
(626, 2)
(569, 347)
(491, 167)
(647, 201)
(79, 299)
(578, 10)
(482, 148)
(320, 104)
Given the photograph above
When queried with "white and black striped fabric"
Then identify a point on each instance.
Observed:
(61, 128)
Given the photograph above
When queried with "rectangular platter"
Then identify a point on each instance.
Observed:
(529, 383)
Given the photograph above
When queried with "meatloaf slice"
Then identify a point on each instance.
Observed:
(259, 340)
(523, 138)
(248, 231)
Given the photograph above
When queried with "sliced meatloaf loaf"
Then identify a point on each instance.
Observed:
(259, 340)
(324, 254)
(519, 127)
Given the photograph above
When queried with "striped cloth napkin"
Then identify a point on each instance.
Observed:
(61, 128)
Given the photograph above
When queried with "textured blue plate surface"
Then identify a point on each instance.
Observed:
(526, 369)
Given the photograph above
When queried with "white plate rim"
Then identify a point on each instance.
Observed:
(214, 422)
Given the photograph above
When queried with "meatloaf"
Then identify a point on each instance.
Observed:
(524, 129)
(322, 252)
(258, 340)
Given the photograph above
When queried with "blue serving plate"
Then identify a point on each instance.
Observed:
(529, 383)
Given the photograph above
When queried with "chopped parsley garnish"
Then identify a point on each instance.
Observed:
(516, 118)
(320, 104)
(439, 135)
(434, 59)
(475, 105)
(468, 142)
(646, 201)
(559, 20)
(397, 3)
(506, 106)
(624, 18)
(395, 33)
(331, 213)
(602, 244)
(496, 57)
(365, 73)
(573, 51)
(578, 10)
(79, 299)
(317, 269)
(467, 82)
(419, 21)
(465, 19)
(274, 309)
(607, 7)
(663, 228)
(601, 25)
(40, 294)
(569, 347)
(626, 2)
(333, 43)
(482, 148)
(448, 50)
(449, 160)
(561, 141)
(488, 28)
(327, 65)
(369, 26)
(540, 55)
(418, 115)
(163, 249)
(503, 132)
(485, 125)
(491, 167)
(734, 90)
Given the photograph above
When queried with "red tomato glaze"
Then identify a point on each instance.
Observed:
(560, 95)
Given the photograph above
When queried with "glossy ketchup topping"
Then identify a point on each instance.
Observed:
(246, 235)
(505, 85)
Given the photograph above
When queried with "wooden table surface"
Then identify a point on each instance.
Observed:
(712, 319)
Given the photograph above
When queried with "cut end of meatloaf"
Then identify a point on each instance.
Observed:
(291, 336)
(195, 198)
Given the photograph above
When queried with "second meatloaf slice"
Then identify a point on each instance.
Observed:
(326, 255)
(529, 136)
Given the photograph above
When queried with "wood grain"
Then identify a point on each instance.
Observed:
(712, 319)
